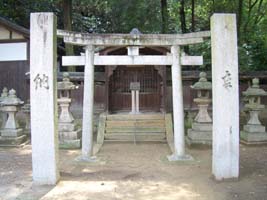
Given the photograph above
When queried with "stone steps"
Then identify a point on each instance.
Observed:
(139, 123)
(135, 130)
(143, 127)
(126, 117)
(153, 137)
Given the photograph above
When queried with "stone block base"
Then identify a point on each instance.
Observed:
(202, 127)
(254, 128)
(67, 127)
(253, 138)
(70, 144)
(70, 140)
(11, 132)
(27, 132)
(199, 138)
(12, 141)
(70, 135)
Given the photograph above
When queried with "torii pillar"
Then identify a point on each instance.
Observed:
(88, 107)
(178, 108)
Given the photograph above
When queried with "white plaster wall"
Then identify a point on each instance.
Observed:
(13, 51)
(4, 33)
(16, 35)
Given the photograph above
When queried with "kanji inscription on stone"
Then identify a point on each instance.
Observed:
(41, 81)
(227, 80)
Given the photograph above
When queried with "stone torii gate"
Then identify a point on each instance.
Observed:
(44, 92)
(90, 59)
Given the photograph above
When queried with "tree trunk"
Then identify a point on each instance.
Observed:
(193, 15)
(183, 22)
(182, 17)
(213, 6)
(164, 16)
(67, 23)
(239, 19)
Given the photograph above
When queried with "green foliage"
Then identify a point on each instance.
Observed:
(120, 16)
(129, 14)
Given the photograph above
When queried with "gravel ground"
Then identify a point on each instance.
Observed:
(129, 171)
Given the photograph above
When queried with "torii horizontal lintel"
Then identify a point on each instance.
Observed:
(83, 39)
(131, 60)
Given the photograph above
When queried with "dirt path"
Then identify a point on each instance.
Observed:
(135, 172)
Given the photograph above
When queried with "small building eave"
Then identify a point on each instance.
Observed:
(15, 27)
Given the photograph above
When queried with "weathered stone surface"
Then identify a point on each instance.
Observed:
(200, 135)
(88, 105)
(254, 116)
(101, 129)
(132, 40)
(11, 99)
(225, 97)
(203, 83)
(202, 126)
(12, 141)
(202, 115)
(66, 84)
(169, 131)
(70, 144)
(11, 122)
(11, 130)
(254, 90)
(131, 60)
(255, 137)
(65, 114)
(70, 135)
(44, 118)
(67, 127)
(253, 132)
(4, 94)
(201, 131)
(26, 109)
(178, 113)
(199, 142)
(254, 128)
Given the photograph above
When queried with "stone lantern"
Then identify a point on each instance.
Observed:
(26, 109)
(254, 132)
(201, 132)
(69, 135)
(11, 134)
(4, 94)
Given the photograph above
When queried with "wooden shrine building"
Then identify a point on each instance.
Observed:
(152, 80)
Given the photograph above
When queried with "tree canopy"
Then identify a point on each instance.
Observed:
(155, 16)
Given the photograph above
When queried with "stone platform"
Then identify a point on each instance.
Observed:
(70, 139)
(200, 135)
(254, 138)
(13, 141)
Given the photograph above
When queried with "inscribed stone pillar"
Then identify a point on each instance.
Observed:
(225, 98)
(43, 83)
(88, 105)
(178, 108)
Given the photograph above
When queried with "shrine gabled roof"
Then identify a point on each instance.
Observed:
(15, 27)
